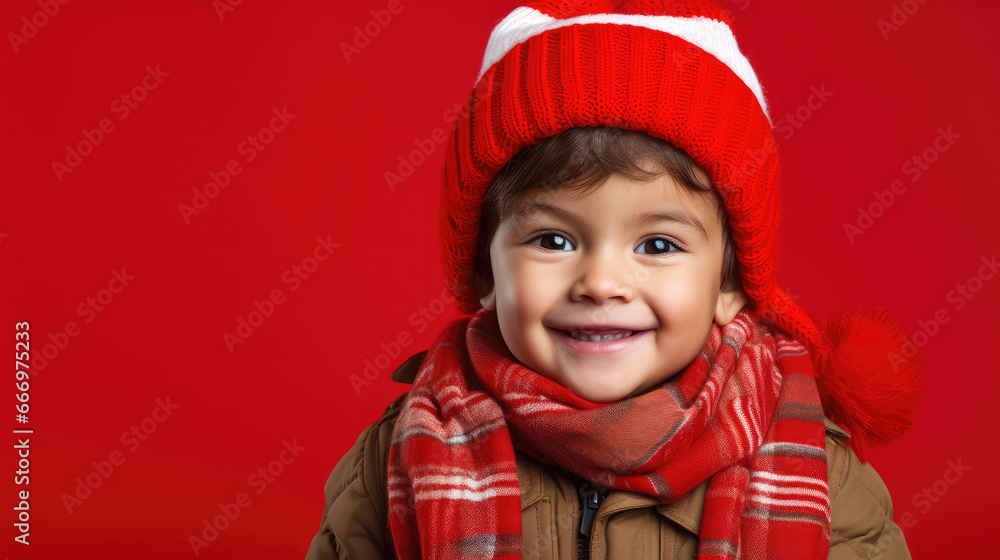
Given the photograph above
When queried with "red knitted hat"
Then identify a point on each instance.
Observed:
(673, 70)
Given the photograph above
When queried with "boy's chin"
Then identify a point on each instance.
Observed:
(599, 395)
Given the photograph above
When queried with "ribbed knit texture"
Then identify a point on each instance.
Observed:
(686, 8)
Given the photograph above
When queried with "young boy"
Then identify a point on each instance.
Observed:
(631, 382)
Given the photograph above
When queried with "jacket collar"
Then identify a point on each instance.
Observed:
(835, 429)
(407, 371)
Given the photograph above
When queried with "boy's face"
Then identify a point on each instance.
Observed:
(573, 261)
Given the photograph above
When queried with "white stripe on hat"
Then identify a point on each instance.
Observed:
(714, 37)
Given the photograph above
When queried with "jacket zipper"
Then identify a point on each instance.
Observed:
(591, 496)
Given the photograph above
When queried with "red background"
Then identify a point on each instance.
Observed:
(162, 336)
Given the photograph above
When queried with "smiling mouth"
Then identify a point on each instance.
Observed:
(599, 342)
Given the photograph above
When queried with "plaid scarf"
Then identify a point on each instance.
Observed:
(745, 413)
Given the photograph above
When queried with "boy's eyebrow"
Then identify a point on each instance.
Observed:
(676, 215)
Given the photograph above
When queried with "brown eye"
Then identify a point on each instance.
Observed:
(553, 242)
(658, 246)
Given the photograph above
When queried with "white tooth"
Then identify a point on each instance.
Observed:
(587, 336)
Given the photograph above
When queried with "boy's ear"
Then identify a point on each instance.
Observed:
(489, 301)
(731, 301)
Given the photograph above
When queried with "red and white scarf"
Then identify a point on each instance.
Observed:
(745, 413)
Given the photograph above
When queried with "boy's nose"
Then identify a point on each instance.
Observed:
(603, 277)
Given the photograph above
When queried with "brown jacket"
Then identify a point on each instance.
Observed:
(627, 525)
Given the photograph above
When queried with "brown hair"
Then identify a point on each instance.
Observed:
(581, 159)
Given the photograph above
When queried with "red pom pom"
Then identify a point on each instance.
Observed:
(872, 380)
